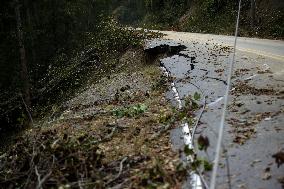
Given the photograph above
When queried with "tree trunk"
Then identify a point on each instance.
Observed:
(31, 35)
(23, 60)
(252, 12)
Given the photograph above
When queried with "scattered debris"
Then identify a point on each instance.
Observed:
(250, 77)
(244, 88)
(267, 119)
(281, 180)
(266, 175)
(279, 158)
(240, 72)
(266, 69)
(243, 129)
(203, 142)
(109, 142)
(254, 162)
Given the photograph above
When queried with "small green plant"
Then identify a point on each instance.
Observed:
(198, 163)
(203, 142)
(197, 96)
(132, 111)
(207, 165)
(201, 164)
(188, 151)
(190, 105)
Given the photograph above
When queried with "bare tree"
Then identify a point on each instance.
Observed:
(23, 59)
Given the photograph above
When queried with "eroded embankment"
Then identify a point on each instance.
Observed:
(114, 134)
(186, 108)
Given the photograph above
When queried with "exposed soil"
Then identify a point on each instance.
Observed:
(115, 134)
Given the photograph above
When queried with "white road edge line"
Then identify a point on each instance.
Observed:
(195, 179)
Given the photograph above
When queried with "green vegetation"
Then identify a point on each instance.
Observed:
(258, 18)
(123, 144)
(130, 111)
(89, 101)
(219, 17)
(49, 49)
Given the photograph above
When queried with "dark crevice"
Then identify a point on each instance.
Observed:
(157, 52)
(225, 82)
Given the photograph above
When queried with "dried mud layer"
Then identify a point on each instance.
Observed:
(114, 134)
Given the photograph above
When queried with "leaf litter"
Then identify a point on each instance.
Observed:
(101, 142)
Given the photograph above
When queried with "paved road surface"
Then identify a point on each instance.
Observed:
(269, 48)
(255, 123)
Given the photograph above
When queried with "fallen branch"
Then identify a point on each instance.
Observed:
(28, 111)
(201, 113)
(41, 181)
(120, 171)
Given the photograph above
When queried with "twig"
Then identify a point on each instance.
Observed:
(81, 184)
(202, 179)
(31, 165)
(27, 109)
(10, 100)
(198, 120)
(9, 110)
(38, 176)
(41, 181)
(120, 171)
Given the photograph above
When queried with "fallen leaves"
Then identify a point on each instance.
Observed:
(115, 147)
(266, 175)
(203, 142)
(244, 88)
(244, 129)
(281, 180)
(279, 158)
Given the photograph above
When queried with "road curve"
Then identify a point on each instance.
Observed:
(265, 47)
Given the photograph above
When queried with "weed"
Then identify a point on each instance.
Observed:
(132, 111)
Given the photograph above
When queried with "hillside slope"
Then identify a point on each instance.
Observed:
(264, 20)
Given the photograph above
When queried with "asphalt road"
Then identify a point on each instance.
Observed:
(254, 128)
(269, 48)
